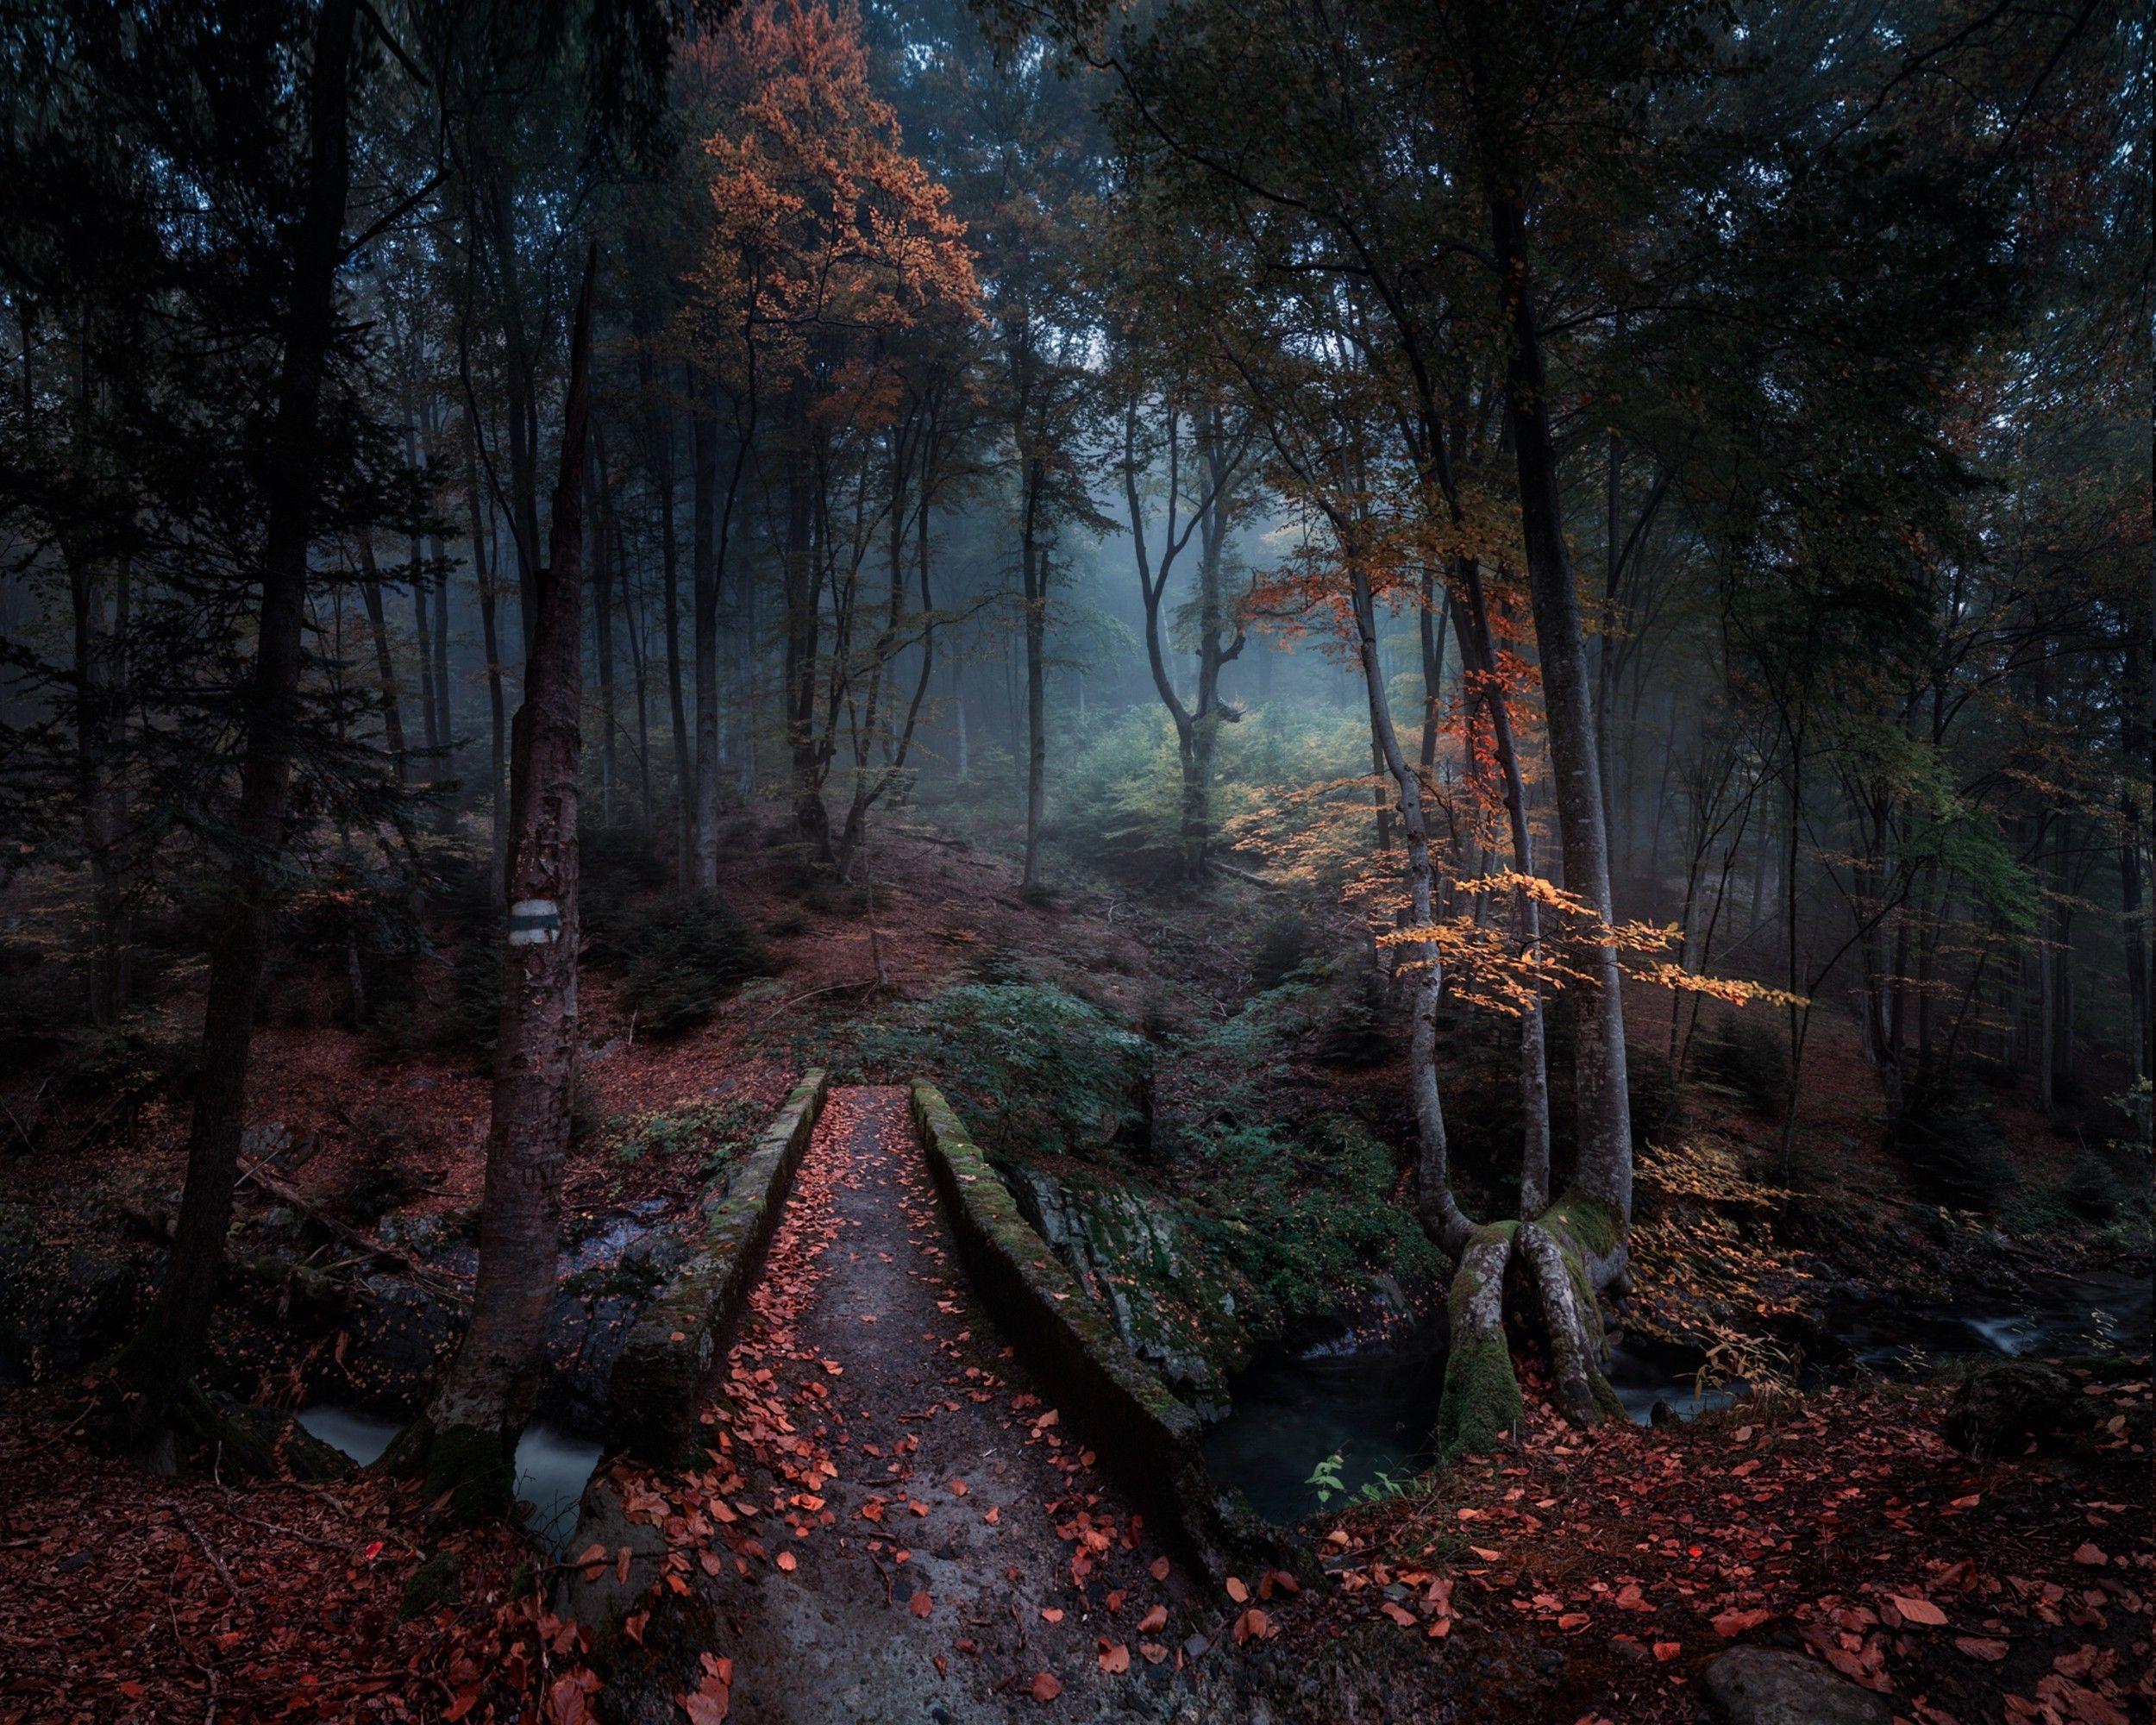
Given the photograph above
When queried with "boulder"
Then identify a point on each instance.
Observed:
(1134, 1254)
(1999, 1409)
(1763, 1686)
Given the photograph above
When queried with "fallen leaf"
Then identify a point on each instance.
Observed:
(1116, 1659)
(1919, 1611)
(1046, 1685)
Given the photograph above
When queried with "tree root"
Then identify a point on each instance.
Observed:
(1481, 1402)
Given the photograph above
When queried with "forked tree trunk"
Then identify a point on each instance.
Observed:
(482, 1402)
(159, 1364)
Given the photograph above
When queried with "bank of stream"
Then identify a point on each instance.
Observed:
(1372, 1410)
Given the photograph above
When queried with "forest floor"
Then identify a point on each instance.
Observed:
(127, 1598)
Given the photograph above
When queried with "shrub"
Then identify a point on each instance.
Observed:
(1360, 1028)
(716, 1131)
(1035, 1068)
(682, 954)
(1305, 1216)
(617, 867)
(1281, 946)
(1949, 1140)
(1740, 1052)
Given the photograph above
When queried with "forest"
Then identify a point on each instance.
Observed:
(1190, 861)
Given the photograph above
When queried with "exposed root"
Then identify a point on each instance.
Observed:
(1480, 1402)
(1567, 1306)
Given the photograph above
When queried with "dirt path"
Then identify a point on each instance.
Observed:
(919, 1539)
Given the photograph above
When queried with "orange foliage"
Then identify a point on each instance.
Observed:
(827, 239)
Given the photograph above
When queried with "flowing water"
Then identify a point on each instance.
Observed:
(1374, 1411)
(552, 1465)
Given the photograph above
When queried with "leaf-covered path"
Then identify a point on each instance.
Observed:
(917, 1535)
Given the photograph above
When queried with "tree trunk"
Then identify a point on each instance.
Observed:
(704, 509)
(658, 437)
(487, 569)
(603, 619)
(804, 636)
(1478, 654)
(1439, 1208)
(161, 1361)
(384, 662)
(1603, 1173)
(487, 1394)
(1034, 575)
(100, 613)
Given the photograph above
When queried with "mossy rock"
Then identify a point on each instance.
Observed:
(435, 1582)
(2002, 1408)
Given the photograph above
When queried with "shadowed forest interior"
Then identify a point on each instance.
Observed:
(1211, 860)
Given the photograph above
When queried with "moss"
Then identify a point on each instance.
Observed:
(473, 1470)
(1481, 1400)
(1591, 1224)
(434, 1582)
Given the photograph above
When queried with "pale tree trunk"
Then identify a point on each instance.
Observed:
(1478, 657)
(487, 1394)
(1439, 1209)
(159, 1364)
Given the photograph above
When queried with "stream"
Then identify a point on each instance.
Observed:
(551, 1464)
(1373, 1409)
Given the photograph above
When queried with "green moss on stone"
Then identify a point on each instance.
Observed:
(1595, 1227)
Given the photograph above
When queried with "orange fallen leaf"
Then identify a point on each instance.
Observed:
(1115, 1660)
(1046, 1685)
(785, 1561)
(1237, 1591)
(1920, 1611)
(923, 1605)
(1155, 1619)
